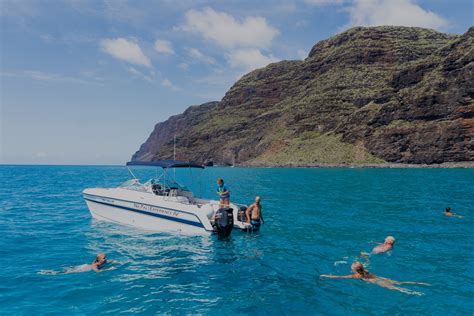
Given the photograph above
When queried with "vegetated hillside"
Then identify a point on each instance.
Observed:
(367, 95)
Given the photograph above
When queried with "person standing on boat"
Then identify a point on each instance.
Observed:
(224, 193)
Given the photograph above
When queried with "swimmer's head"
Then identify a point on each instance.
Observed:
(101, 258)
(358, 268)
(220, 181)
(257, 199)
(448, 210)
(390, 240)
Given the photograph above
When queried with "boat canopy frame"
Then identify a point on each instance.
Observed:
(165, 165)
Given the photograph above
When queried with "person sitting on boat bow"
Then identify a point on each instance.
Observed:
(224, 193)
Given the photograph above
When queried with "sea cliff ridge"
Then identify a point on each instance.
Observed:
(370, 96)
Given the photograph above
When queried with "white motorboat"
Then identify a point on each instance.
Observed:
(163, 205)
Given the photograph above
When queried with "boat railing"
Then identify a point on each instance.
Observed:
(239, 205)
(200, 202)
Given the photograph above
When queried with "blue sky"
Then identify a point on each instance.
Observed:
(85, 81)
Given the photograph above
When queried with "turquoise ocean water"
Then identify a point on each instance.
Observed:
(317, 222)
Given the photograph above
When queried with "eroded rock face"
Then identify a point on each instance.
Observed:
(395, 94)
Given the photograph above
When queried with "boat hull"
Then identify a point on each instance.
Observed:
(141, 220)
(147, 212)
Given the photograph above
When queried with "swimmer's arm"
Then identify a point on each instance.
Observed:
(419, 283)
(108, 269)
(250, 208)
(103, 270)
(400, 289)
(337, 276)
(365, 256)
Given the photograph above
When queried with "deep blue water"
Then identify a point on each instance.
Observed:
(317, 222)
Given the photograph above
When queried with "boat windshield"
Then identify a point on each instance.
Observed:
(166, 184)
(132, 184)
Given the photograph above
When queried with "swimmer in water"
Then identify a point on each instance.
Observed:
(359, 272)
(97, 266)
(380, 248)
(386, 246)
(448, 212)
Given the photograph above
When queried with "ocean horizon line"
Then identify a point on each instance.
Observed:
(445, 165)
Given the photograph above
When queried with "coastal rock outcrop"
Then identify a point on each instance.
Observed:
(367, 95)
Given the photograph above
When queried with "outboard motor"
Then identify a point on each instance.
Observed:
(241, 216)
(224, 222)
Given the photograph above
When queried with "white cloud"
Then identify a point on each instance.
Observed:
(301, 54)
(168, 84)
(45, 76)
(393, 12)
(183, 66)
(242, 41)
(227, 32)
(140, 74)
(127, 50)
(321, 3)
(164, 47)
(198, 55)
(249, 58)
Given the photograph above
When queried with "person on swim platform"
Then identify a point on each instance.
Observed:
(359, 272)
(223, 192)
(254, 213)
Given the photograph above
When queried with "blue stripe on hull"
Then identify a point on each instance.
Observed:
(174, 219)
(87, 195)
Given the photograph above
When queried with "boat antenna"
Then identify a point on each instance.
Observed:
(174, 156)
(174, 147)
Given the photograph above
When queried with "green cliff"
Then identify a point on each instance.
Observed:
(367, 95)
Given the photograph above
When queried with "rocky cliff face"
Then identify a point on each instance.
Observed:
(368, 95)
